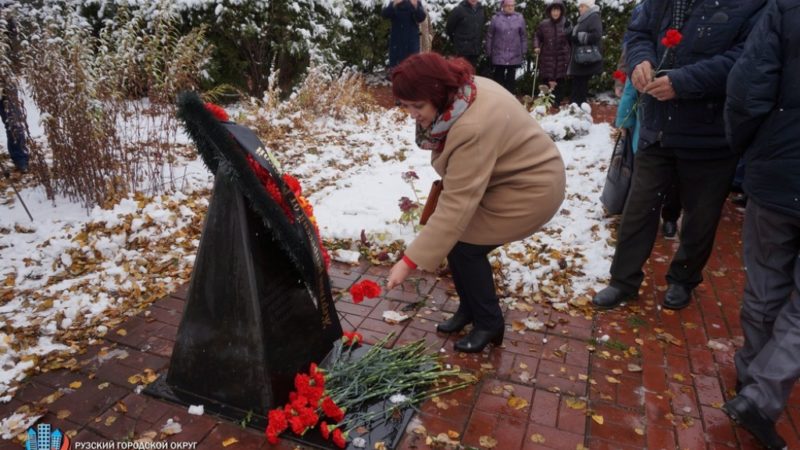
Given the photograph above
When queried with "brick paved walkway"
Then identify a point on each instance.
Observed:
(672, 403)
(578, 372)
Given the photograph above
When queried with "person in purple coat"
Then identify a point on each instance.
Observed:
(551, 43)
(506, 44)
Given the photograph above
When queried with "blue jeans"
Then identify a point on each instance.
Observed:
(15, 129)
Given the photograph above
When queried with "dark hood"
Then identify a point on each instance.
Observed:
(555, 4)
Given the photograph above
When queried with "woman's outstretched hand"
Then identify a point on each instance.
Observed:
(400, 271)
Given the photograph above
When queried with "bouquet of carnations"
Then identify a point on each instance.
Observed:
(337, 399)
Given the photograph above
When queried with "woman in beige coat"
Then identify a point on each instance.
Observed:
(503, 179)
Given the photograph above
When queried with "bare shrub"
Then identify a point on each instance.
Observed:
(104, 138)
(319, 96)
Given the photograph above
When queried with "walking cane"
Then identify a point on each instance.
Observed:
(535, 74)
(7, 176)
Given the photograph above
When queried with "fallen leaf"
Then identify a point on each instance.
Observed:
(575, 403)
(612, 380)
(230, 441)
(453, 434)
(597, 418)
(75, 385)
(110, 420)
(102, 386)
(63, 413)
(517, 402)
(537, 438)
(678, 377)
(487, 441)
(634, 368)
(122, 332)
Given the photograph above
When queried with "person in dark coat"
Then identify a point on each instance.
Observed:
(681, 139)
(507, 44)
(551, 43)
(465, 30)
(761, 116)
(406, 16)
(588, 31)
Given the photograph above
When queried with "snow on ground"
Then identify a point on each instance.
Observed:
(72, 275)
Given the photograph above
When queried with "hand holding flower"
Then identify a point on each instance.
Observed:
(661, 89)
(642, 75)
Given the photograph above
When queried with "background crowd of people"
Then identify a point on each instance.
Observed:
(497, 46)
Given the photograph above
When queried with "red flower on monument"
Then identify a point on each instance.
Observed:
(277, 424)
(275, 194)
(351, 338)
(339, 438)
(324, 430)
(331, 410)
(620, 76)
(672, 38)
(217, 112)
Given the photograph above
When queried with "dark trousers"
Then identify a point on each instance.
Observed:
(506, 76)
(472, 275)
(580, 89)
(15, 128)
(768, 364)
(703, 186)
(671, 210)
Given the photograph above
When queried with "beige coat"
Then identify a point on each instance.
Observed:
(503, 178)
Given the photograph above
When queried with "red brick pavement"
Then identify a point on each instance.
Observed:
(639, 377)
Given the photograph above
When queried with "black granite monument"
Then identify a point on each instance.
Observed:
(259, 306)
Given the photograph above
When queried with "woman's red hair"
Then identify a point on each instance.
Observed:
(430, 77)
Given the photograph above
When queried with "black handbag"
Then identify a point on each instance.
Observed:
(620, 173)
(587, 54)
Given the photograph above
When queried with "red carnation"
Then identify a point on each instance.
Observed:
(672, 38)
(324, 430)
(331, 410)
(217, 112)
(272, 436)
(297, 424)
(302, 382)
(339, 438)
(366, 288)
(357, 292)
(620, 76)
(370, 289)
(352, 338)
(277, 420)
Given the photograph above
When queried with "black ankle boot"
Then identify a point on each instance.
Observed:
(454, 324)
(477, 340)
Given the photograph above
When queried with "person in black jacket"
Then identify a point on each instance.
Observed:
(406, 16)
(587, 31)
(761, 114)
(682, 137)
(465, 30)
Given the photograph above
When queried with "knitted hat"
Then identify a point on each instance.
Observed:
(589, 3)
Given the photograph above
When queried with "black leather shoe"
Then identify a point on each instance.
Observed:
(678, 296)
(477, 340)
(611, 297)
(669, 228)
(745, 413)
(454, 324)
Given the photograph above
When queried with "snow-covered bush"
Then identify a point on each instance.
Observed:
(569, 123)
(103, 140)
